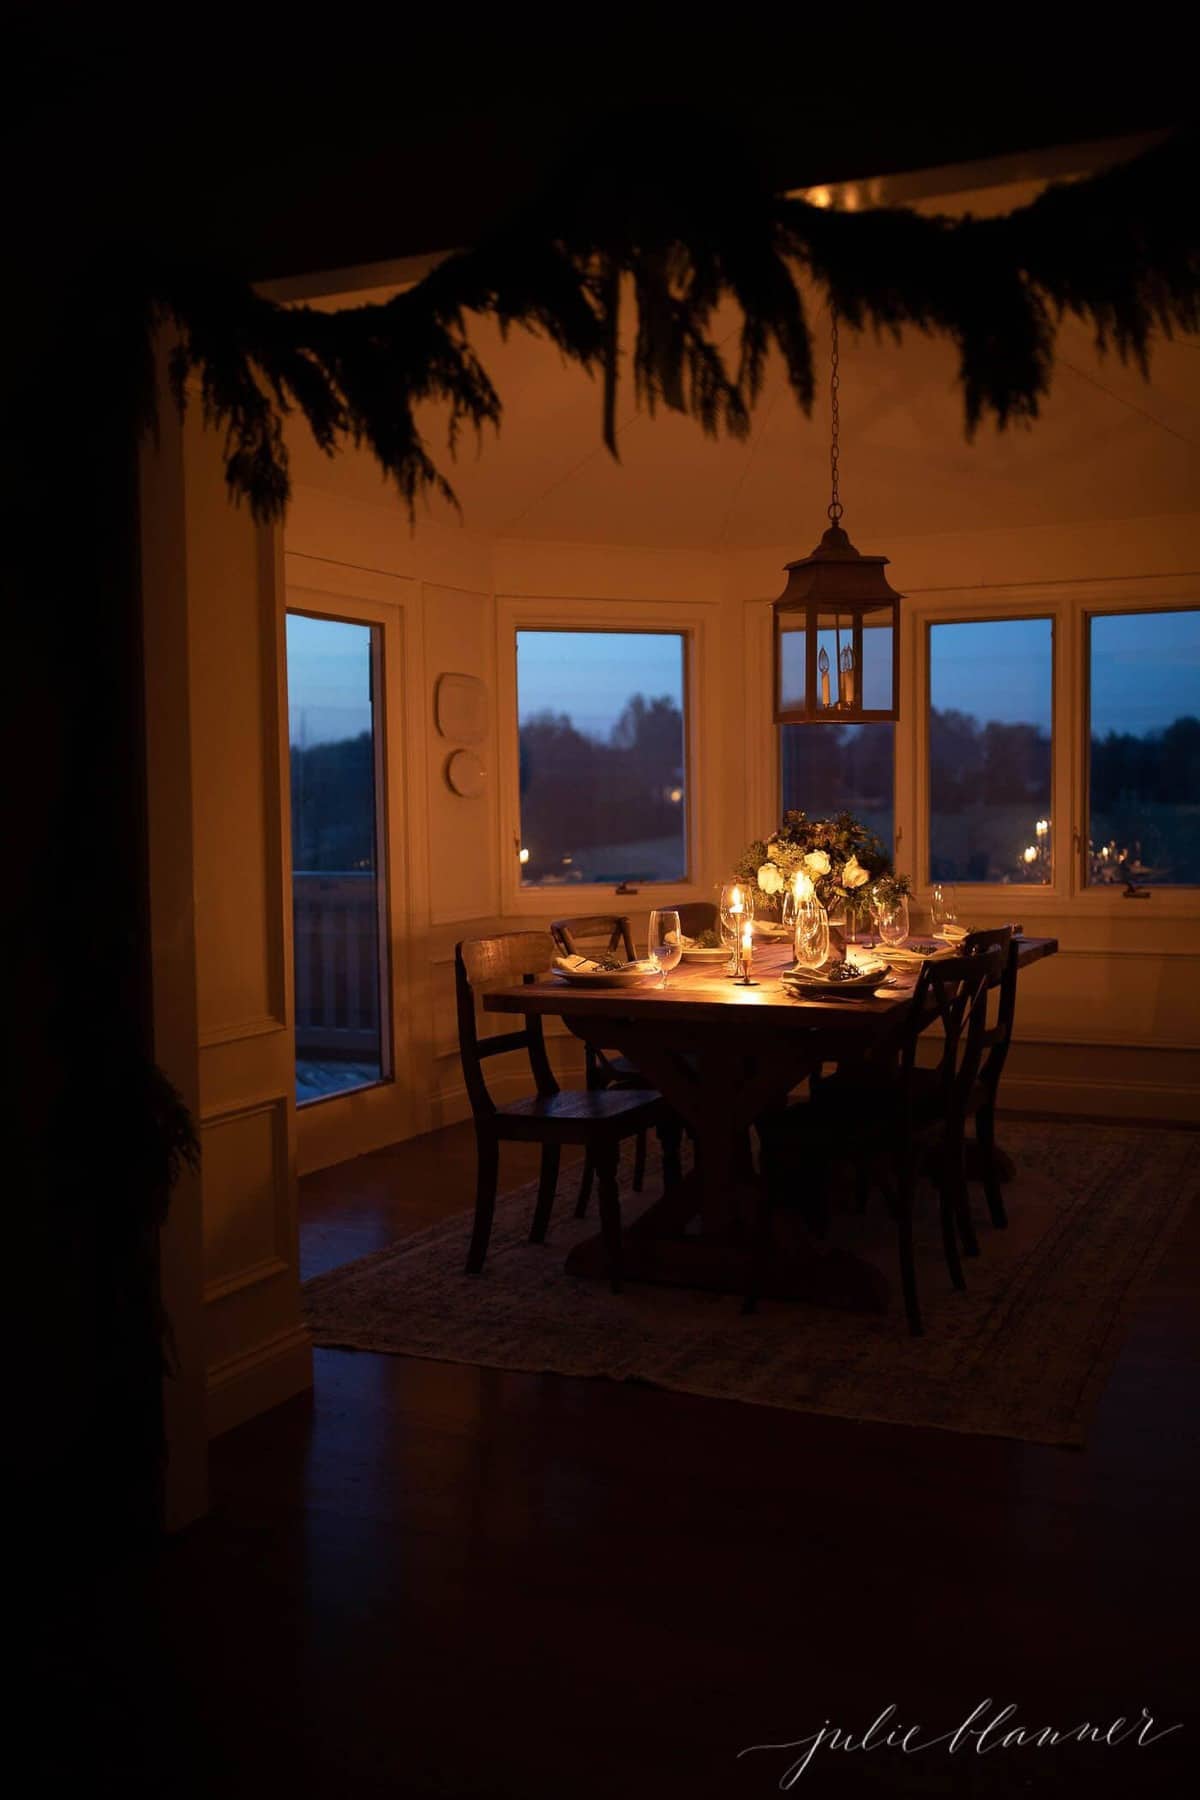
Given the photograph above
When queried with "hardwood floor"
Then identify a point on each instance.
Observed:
(432, 1579)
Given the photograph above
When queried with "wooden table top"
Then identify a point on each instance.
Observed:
(699, 993)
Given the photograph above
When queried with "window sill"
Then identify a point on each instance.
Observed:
(562, 902)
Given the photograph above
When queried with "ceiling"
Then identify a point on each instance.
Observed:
(1109, 445)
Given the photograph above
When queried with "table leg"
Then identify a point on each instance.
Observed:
(701, 1233)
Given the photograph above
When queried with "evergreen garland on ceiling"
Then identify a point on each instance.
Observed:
(1120, 250)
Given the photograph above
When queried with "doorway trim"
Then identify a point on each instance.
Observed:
(365, 1119)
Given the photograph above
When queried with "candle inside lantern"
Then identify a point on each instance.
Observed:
(823, 665)
(846, 677)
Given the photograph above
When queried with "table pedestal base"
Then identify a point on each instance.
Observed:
(657, 1248)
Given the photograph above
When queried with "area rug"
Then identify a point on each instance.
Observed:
(1023, 1353)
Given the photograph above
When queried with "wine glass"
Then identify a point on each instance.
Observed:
(891, 918)
(810, 939)
(665, 946)
(737, 909)
(943, 906)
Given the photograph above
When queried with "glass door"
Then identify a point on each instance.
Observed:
(338, 885)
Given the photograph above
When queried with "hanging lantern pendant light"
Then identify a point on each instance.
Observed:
(841, 602)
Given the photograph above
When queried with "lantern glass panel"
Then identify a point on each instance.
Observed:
(792, 637)
(877, 648)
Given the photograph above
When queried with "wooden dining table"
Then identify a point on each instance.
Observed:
(721, 1054)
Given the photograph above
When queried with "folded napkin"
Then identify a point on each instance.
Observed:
(590, 965)
(917, 950)
(953, 934)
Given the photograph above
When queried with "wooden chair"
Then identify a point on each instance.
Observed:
(552, 1116)
(698, 916)
(981, 1104)
(605, 933)
(888, 1116)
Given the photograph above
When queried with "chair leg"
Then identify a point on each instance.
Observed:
(985, 1138)
(670, 1137)
(547, 1188)
(903, 1206)
(949, 1226)
(585, 1185)
(954, 1172)
(639, 1163)
(862, 1184)
(610, 1209)
(760, 1250)
(487, 1178)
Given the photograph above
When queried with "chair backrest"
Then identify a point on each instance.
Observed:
(952, 992)
(698, 916)
(609, 930)
(998, 1035)
(481, 963)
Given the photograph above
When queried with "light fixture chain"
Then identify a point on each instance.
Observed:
(835, 504)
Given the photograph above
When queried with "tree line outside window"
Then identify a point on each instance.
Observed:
(990, 749)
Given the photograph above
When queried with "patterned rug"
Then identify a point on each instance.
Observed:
(1024, 1353)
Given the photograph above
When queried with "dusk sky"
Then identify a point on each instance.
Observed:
(592, 676)
(1145, 673)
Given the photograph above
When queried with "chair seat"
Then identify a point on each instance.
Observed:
(845, 1116)
(618, 1071)
(577, 1114)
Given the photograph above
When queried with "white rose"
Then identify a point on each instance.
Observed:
(769, 879)
(817, 862)
(854, 875)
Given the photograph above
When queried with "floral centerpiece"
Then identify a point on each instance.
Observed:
(844, 860)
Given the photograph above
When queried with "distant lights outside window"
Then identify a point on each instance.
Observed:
(837, 624)
(522, 855)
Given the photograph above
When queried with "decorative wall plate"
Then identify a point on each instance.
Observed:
(460, 708)
(466, 774)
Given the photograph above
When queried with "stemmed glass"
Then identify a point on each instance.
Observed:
(810, 940)
(737, 909)
(665, 946)
(891, 918)
(943, 906)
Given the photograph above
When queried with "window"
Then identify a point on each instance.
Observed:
(841, 768)
(1144, 778)
(990, 702)
(603, 766)
(337, 894)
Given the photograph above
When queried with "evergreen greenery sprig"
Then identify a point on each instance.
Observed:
(1120, 251)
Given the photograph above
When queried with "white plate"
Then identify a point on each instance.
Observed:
(603, 977)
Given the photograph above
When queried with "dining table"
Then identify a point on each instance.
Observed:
(722, 1052)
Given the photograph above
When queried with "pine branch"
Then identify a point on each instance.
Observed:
(1120, 251)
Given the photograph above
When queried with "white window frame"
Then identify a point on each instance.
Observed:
(696, 622)
(363, 1119)
(1070, 606)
